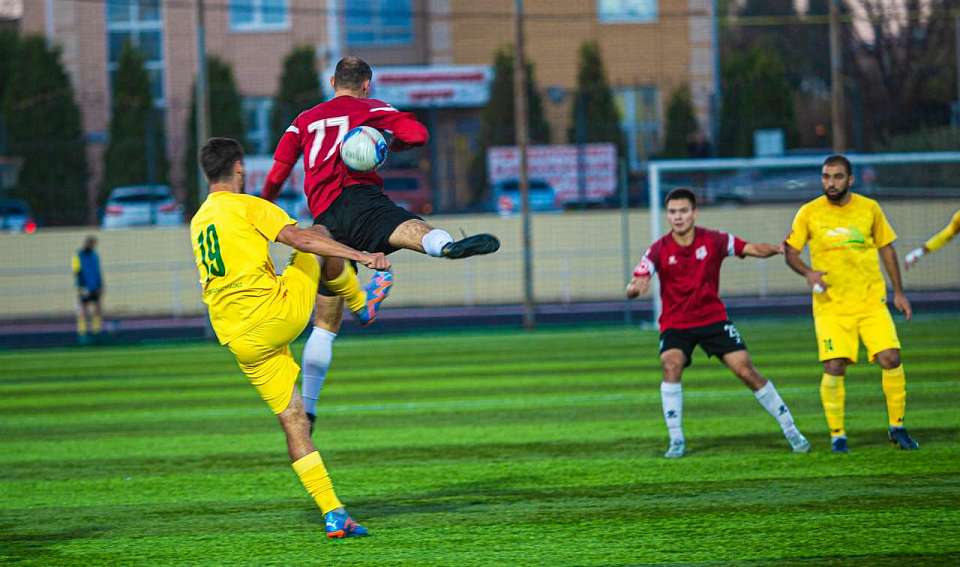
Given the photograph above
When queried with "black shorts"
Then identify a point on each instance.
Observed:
(363, 218)
(90, 296)
(716, 339)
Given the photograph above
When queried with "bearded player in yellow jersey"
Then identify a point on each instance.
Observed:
(935, 243)
(256, 313)
(845, 232)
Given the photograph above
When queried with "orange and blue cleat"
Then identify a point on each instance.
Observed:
(340, 525)
(377, 290)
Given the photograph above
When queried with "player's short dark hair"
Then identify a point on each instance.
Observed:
(682, 193)
(217, 157)
(351, 72)
(837, 159)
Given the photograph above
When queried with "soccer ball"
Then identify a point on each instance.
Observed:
(363, 149)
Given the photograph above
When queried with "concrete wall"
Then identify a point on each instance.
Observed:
(578, 256)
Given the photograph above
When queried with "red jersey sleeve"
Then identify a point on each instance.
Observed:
(288, 150)
(648, 262)
(729, 244)
(407, 131)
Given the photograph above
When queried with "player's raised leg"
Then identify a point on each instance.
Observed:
(671, 397)
(416, 235)
(340, 278)
(766, 393)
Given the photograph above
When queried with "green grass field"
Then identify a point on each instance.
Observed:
(497, 447)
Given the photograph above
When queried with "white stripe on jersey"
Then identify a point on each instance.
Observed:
(730, 247)
(293, 129)
(384, 109)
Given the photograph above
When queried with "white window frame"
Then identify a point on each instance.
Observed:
(258, 137)
(258, 25)
(633, 127)
(376, 28)
(621, 13)
(135, 27)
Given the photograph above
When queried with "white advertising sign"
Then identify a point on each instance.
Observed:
(437, 86)
(557, 165)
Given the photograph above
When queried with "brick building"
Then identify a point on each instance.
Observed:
(650, 47)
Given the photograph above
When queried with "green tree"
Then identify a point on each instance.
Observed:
(756, 95)
(136, 152)
(44, 127)
(681, 123)
(496, 118)
(594, 116)
(8, 54)
(226, 119)
(299, 89)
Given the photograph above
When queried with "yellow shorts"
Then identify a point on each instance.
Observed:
(263, 352)
(838, 335)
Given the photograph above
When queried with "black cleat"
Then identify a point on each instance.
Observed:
(471, 246)
(899, 438)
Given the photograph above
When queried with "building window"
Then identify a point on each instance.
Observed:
(627, 11)
(640, 120)
(374, 23)
(139, 22)
(256, 112)
(258, 15)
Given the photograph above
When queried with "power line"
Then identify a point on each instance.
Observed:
(892, 12)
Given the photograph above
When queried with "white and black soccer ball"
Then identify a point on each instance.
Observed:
(363, 149)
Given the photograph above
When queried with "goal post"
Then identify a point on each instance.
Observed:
(656, 169)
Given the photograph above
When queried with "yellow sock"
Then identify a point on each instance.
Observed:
(895, 390)
(347, 285)
(81, 324)
(96, 324)
(832, 394)
(315, 479)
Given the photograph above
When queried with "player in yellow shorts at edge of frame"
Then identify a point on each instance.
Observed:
(845, 232)
(256, 313)
(935, 243)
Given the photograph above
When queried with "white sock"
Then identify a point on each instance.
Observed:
(771, 401)
(317, 355)
(434, 241)
(672, 397)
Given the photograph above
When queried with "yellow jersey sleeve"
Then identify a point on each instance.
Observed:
(267, 218)
(799, 231)
(883, 233)
(937, 241)
(75, 264)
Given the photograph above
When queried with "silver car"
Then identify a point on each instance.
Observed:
(142, 205)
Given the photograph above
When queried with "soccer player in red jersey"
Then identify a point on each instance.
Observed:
(688, 261)
(352, 205)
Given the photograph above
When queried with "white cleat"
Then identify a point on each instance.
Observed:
(676, 450)
(798, 442)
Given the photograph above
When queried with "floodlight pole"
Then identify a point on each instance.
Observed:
(836, 81)
(520, 127)
(202, 101)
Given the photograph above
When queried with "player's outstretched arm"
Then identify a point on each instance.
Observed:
(889, 256)
(934, 243)
(638, 286)
(762, 249)
(315, 242)
(814, 278)
(275, 179)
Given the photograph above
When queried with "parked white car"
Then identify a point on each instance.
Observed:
(142, 205)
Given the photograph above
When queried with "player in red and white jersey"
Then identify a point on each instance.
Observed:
(687, 261)
(353, 207)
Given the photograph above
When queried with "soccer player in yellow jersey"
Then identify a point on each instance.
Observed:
(845, 232)
(256, 313)
(935, 243)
